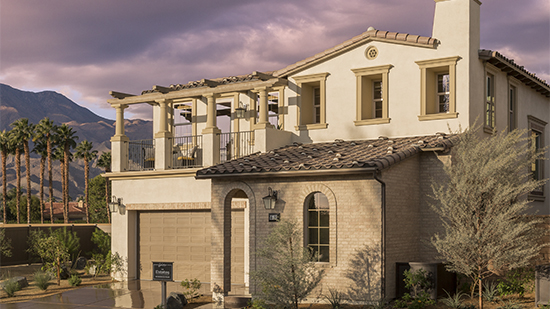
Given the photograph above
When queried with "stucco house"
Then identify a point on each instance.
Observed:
(346, 142)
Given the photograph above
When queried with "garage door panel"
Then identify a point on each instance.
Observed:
(184, 237)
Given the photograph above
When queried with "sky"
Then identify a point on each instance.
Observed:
(86, 48)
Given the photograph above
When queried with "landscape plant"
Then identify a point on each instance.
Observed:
(11, 286)
(419, 284)
(5, 243)
(335, 298)
(483, 206)
(51, 250)
(454, 301)
(517, 281)
(75, 280)
(490, 292)
(42, 279)
(191, 288)
(286, 273)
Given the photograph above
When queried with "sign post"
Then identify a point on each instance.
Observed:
(163, 272)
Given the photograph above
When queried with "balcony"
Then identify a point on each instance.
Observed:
(235, 145)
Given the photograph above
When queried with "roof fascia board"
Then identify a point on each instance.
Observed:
(330, 55)
(197, 92)
(299, 173)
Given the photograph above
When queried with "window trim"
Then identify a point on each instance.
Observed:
(305, 79)
(488, 128)
(512, 113)
(437, 66)
(537, 125)
(360, 73)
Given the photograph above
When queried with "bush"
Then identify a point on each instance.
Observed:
(490, 292)
(75, 280)
(11, 286)
(335, 298)
(42, 279)
(518, 281)
(419, 283)
(191, 287)
(454, 301)
(257, 304)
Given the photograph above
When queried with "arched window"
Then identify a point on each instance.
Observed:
(317, 223)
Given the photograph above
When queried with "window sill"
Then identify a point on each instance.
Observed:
(437, 116)
(536, 196)
(311, 126)
(366, 122)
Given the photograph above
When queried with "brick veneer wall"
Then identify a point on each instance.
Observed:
(355, 220)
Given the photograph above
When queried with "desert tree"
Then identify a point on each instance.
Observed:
(84, 152)
(24, 131)
(483, 205)
(41, 149)
(286, 272)
(6, 148)
(105, 162)
(66, 140)
(46, 131)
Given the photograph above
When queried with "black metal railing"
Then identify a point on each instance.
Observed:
(141, 155)
(235, 145)
(187, 151)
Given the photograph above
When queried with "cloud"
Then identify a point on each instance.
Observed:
(84, 49)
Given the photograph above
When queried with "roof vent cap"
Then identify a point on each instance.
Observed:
(371, 28)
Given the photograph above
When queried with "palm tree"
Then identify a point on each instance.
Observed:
(40, 148)
(24, 132)
(15, 140)
(6, 148)
(83, 151)
(67, 140)
(105, 162)
(46, 130)
(59, 156)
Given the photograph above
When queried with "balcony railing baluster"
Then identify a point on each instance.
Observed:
(235, 145)
(187, 151)
(141, 155)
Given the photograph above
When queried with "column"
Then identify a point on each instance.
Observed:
(163, 138)
(263, 121)
(211, 134)
(119, 142)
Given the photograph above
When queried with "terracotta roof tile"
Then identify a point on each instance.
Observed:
(377, 154)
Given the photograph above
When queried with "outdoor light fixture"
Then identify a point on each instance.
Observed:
(240, 111)
(116, 205)
(270, 200)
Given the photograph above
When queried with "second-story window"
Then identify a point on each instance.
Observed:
(317, 105)
(377, 98)
(490, 101)
(443, 92)
(512, 108)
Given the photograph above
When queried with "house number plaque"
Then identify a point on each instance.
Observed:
(274, 217)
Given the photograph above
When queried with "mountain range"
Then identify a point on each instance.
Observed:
(15, 104)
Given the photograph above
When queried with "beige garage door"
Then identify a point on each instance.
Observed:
(184, 238)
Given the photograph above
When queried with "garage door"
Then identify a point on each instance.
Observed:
(184, 237)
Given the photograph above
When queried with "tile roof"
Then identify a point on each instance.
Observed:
(254, 76)
(512, 68)
(371, 34)
(372, 154)
(76, 209)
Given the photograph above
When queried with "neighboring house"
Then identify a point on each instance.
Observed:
(77, 211)
(350, 139)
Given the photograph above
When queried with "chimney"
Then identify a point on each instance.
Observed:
(456, 25)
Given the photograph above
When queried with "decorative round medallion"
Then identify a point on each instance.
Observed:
(371, 53)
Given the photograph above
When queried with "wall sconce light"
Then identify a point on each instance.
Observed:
(270, 200)
(240, 111)
(116, 205)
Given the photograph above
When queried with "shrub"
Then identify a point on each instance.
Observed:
(419, 283)
(490, 292)
(257, 304)
(509, 305)
(191, 287)
(11, 286)
(75, 280)
(42, 279)
(454, 301)
(335, 298)
(518, 281)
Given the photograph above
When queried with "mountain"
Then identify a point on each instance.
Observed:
(15, 104)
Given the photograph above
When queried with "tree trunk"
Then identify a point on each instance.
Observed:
(4, 185)
(28, 168)
(86, 175)
(58, 266)
(42, 165)
(480, 294)
(66, 188)
(49, 149)
(62, 168)
(18, 174)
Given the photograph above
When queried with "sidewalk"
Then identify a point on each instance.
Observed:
(133, 294)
